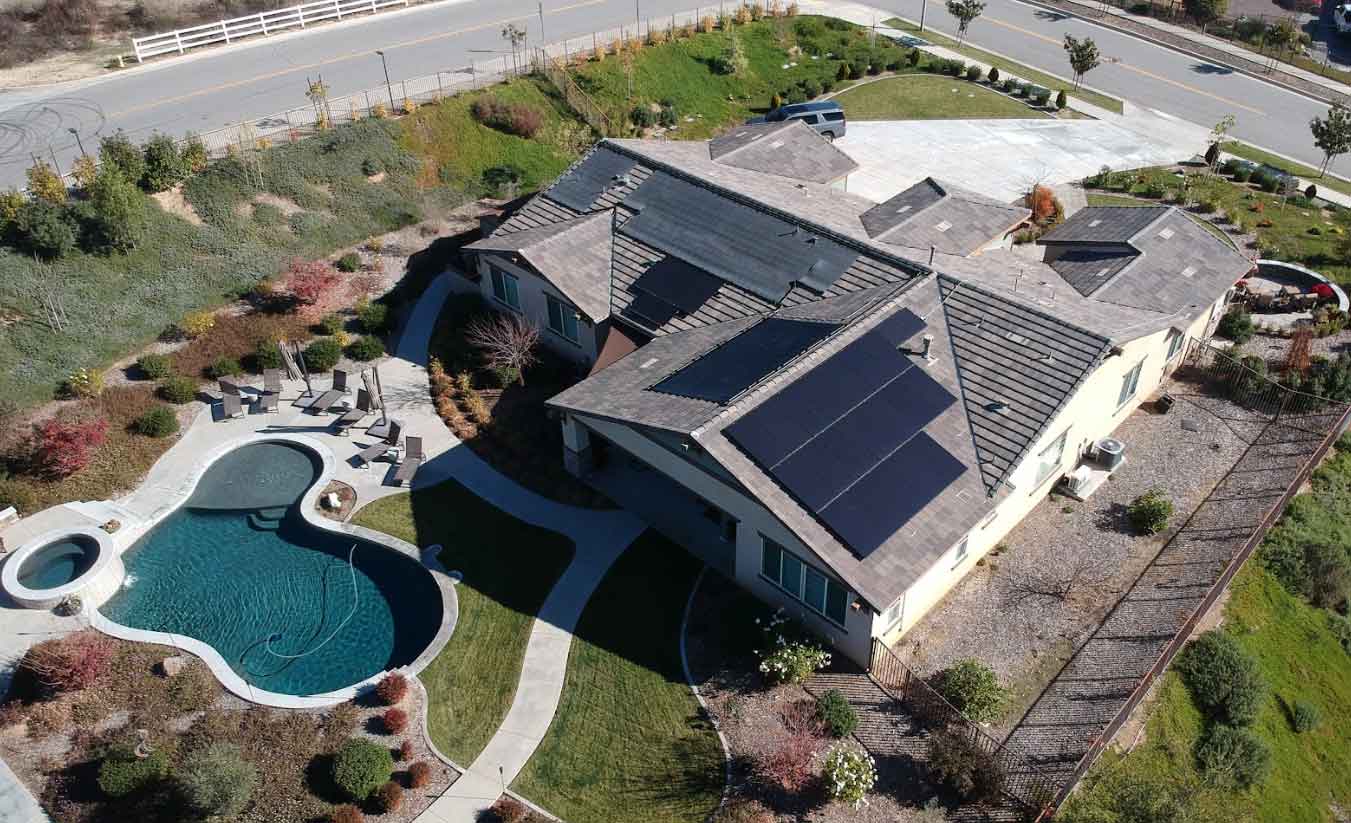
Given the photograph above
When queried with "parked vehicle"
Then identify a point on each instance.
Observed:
(1341, 17)
(825, 116)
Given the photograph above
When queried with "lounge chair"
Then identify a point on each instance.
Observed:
(271, 395)
(371, 453)
(412, 460)
(325, 401)
(350, 418)
(231, 405)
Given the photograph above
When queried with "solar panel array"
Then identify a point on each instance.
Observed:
(741, 362)
(678, 284)
(742, 245)
(580, 187)
(846, 439)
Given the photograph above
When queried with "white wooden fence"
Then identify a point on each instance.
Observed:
(266, 22)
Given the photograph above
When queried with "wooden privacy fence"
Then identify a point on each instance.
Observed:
(1021, 779)
(266, 22)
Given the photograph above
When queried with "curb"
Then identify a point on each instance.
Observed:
(703, 705)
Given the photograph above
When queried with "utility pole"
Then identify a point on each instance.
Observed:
(923, 5)
(389, 87)
(542, 37)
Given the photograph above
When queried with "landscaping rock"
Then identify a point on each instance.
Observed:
(172, 666)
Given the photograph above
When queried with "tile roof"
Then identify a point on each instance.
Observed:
(946, 217)
(573, 254)
(789, 149)
(1105, 224)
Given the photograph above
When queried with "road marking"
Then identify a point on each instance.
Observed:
(331, 60)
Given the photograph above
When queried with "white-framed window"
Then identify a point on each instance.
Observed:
(892, 615)
(1129, 384)
(959, 553)
(1049, 458)
(562, 319)
(822, 594)
(506, 288)
(1175, 340)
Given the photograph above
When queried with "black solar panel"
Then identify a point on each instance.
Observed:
(740, 244)
(745, 359)
(579, 188)
(838, 438)
(649, 311)
(676, 282)
(873, 509)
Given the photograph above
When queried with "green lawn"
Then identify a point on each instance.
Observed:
(1005, 66)
(509, 568)
(628, 742)
(928, 97)
(1256, 155)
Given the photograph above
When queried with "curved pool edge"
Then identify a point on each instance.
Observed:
(99, 582)
(227, 676)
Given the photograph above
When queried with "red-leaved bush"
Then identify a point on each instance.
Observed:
(346, 814)
(389, 797)
(394, 720)
(63, 447)
(512, 118)
(406, 751)
(308, 280)
(419, 774)
(70, 663)
(508, 810)
(392, 688)
(789, 765)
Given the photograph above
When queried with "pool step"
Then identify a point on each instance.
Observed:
(263, 524)
(274, 514)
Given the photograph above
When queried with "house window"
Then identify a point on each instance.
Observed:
(892, 616)
(505, 288)
(818, 592)
(562, 318)
(960, 553)
(1175, 339)
(1048, 459)
(1129, 384)
(726, 522)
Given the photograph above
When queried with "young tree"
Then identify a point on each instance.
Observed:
(515, 35)
(965, 11)
(1332, 135)
(1205, 12)
(507, 341)
(1083, 56)
(119, 207)
(1280, 36)
(118, 151)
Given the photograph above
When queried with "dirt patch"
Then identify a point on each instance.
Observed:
(61, 68)
(173, 202)
(379, 177)
(284, 205)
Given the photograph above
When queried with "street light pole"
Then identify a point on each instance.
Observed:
(389, 87)
(923, 4)
(542, 38)
(78, 141)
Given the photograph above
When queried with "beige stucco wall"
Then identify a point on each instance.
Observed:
(1090, 415)
(532, 289)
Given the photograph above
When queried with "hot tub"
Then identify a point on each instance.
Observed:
(54, 566)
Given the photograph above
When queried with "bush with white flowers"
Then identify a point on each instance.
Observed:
(789, 660)
(850, 775)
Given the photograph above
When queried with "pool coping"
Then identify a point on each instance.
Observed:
(227, 676)
(54, 596)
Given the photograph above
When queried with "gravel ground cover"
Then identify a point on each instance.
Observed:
(996, 614)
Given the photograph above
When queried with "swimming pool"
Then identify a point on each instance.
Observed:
(238, 567)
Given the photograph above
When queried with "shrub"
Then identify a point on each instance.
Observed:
(1327, 572)
(419, 774)
(121, 773)
(44, 229)
(63, 447)
(346, 814)
(117, 150)
(1233, 758)
(195, 324)
(157, 422)
(392, 688)
(508, 810)
(308, 280)
(322, 355)
(512, 118)
(835, 712)
(1236, 325)
(850, 774)
(394, 721)
(194, 152)
(502, 179)
(1305, 717)
(361, 767)
(83, 383)
(974, 73)
(1242, 174)
(962, 764)
(372, 316)
(743, 810)
(1269, 183)
(389, 797)
(1149, 513)
(406, 751)
(121, 212)
(217, 781)
(331, 323)
(45, 184)
(1223, 679)
(178, 389)
(972, 688)
(224, 367)
(793, 661)
(994, 75)
(1311, 191)
(68, 664)
(913, 57)
(164, 166)
(349, 262)
(1062, 100)
(154, 366)
(788, 765)
(811, 88)
(372, 166)
(267, 354)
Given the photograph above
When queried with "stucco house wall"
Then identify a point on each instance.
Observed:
(532, 290)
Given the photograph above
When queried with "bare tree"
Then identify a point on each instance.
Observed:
(1058, 584)
(507, 341)
(40, 284)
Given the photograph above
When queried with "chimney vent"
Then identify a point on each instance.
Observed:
(928, 347)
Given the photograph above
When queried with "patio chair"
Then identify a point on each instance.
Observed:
(349, 419)
(373, 452)
(412, 460)
(231, 405)
(325, 401)
(271, 395)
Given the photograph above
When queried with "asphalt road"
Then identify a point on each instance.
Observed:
(216, 88)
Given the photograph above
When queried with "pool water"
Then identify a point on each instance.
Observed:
(238, 567)
(59, 562)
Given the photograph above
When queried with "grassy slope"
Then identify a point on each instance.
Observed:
(509, 567)
(929, 98)
(1308, 173)
(628, 742)
(1300, 658)
(1006, 66)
